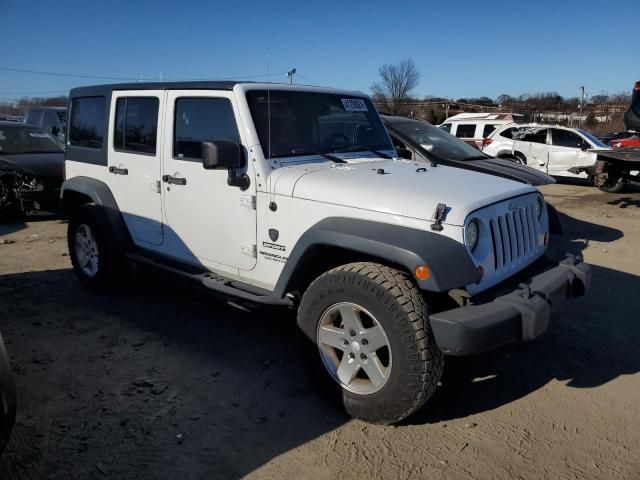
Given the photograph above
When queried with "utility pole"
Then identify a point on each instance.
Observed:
(290, 74)
(581, 104)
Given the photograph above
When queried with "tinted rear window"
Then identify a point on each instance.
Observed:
(136, 124)
(87, 123)
(488, 130)
(466, 130)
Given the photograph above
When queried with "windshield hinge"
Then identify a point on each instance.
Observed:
(438, 217)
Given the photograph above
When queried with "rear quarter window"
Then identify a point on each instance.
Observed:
(87, 124)
(466, 130)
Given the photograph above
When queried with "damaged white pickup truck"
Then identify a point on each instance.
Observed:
(294, 196)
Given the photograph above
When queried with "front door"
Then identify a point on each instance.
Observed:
(135, 162)
(207, 221)
(565, 151)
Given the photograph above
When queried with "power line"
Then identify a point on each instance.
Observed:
(102, 77)
(58, 74)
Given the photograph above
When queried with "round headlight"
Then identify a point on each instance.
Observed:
(538, 207)
(471, 234)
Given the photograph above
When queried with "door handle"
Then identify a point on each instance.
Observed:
(174, 180)
(118, 171)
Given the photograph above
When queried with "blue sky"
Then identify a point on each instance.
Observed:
(462, 49)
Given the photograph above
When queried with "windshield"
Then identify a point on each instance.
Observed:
(596, 141)
(18, 140)
(62, 115)
(303, 123)
(436, 141)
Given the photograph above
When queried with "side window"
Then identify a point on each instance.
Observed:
(564, 138)
(488, 130)
(87, 123)
(34, 117)
(446, 127)
(50, 121)
(467, 130)
(200, 120)
(537, 136)
(136, 124)
(508, 133)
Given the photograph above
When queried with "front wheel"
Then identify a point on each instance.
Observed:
(373, 340)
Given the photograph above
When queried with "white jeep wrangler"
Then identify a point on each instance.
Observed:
(294, 196)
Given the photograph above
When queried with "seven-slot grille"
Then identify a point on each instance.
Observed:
(513, 235)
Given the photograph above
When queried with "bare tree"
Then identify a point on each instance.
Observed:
(397, 82)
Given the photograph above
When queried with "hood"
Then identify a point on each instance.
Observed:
(503, 168)
(7, 165)
(401, 188)
(39, 164)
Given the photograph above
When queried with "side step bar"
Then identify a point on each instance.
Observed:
(213, 281)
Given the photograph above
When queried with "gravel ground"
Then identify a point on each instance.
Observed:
(162, 380)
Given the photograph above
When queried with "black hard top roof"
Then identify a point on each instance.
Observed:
(193, 85)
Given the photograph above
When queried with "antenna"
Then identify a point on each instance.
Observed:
(268, 106)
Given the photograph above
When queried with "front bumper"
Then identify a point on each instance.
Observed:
(496, 317)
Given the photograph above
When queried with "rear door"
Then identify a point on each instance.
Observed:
(135, 161)
(532, 143)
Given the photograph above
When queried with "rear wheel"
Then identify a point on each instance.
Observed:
(373, 341)
(94, 255)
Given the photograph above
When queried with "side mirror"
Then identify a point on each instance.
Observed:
(227, 154)
(584, 146)
(222, 154)
(55, 131)
(404, 153)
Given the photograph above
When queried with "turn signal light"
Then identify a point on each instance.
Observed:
(546, 238)
(422, 272)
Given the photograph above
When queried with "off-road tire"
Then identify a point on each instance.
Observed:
(112, 267)
(394, 300)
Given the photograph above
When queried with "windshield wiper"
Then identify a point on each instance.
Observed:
(300, 153)
(476, 157)
(366, 148)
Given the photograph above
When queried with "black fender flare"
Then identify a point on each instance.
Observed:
(101, 195)
(449, 261)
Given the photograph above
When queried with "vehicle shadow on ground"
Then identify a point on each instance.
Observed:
(591, 341)
(625, 202)
(160, 380)
(155, 381)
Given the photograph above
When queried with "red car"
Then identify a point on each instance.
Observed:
(626, 142)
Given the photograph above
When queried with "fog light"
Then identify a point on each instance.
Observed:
(422, 272)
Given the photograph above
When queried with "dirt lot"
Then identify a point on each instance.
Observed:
(163, 381)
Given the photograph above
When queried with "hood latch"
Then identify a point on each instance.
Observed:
(439, 216)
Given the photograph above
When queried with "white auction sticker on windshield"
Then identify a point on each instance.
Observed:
(354, 105)
(39, 135)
